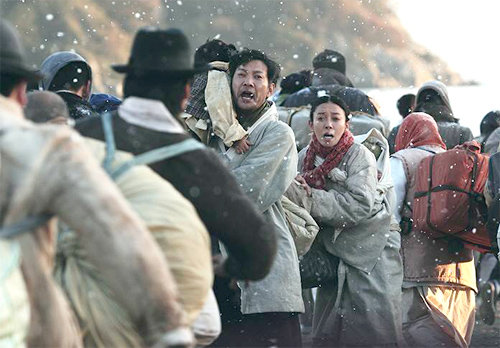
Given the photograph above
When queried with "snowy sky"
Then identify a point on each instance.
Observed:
(466, 34)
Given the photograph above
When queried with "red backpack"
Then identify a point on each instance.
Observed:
(449, 199)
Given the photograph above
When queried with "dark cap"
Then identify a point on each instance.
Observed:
(160, 52)
(330, 59)
(12, 57)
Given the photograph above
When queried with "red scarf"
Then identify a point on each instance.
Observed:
(418, 129)
(316, 177)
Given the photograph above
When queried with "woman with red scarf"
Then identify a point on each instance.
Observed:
(362, 307)
(438, 284)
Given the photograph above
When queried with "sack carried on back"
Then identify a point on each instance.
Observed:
(449, 199)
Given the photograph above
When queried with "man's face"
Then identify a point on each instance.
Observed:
(250, 85)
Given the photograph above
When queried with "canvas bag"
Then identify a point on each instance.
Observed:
(449, 201)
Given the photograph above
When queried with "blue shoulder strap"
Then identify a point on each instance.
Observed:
(159, 154)
(109, 138)
(145, 158)
(28, 224)
(149, 157)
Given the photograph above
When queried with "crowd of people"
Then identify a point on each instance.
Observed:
(207, 207)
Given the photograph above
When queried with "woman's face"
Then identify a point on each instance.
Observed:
(329, 123)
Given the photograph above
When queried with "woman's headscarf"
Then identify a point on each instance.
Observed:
(418, 129)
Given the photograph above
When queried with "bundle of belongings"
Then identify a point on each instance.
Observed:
(210, 108)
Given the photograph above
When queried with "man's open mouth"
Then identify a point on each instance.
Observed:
(328, 136)
(247, 95)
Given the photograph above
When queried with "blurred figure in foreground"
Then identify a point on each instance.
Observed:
(172, 221)
(51, 173)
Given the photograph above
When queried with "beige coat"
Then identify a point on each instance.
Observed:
(47, 169)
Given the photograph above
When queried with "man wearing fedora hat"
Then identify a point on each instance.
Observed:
(48, 171)
(156, 88)
(14, 70)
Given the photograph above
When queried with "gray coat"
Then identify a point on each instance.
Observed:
(264, 173)
(363, 308)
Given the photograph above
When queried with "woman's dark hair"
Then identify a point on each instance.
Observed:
(247, 55)
(169, 91)
(213, 50)
(329, 99)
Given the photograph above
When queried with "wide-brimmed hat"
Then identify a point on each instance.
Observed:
(160, 52)
(12, 57)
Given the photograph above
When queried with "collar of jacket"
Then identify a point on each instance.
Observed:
(150, 114)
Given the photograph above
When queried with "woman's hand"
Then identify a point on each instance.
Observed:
(302, 183)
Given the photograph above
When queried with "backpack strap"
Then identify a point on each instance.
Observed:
(145, 158)
(109, 138)
(159, 154)
(28, 224)
(293, 113)
(428, 150)
(162, 153)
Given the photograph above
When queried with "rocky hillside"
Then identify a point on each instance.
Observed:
(379, 51)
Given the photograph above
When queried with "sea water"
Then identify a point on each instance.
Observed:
(469, 103)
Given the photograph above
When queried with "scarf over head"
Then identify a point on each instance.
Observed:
(418, 129)
(316, 177)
